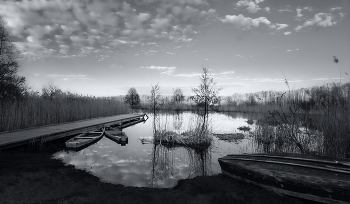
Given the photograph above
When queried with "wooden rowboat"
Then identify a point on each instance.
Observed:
(309, 177)
(117, 136)
(84, 139)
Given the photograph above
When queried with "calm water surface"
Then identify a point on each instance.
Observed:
(147, 165)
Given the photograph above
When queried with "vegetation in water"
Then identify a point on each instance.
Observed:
(244, 128)
(230, 137)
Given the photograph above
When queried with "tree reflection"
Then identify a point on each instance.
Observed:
(200, 161)
(197, 158)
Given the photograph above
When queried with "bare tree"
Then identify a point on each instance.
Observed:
(154, 99)
(12, 86)
(50, 91)
(178, 96)
(132, 98)
(206, 94)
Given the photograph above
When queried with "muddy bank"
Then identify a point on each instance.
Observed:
(33, 177)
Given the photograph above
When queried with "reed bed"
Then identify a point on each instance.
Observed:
(35, 111)
(277, 139)
(189, 139)
(319, 125)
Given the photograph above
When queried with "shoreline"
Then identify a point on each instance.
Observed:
(32, 176)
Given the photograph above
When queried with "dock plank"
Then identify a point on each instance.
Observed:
(51, 132)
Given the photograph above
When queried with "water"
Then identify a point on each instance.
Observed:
(147, 165)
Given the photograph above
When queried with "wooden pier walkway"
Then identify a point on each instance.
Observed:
(52, 132)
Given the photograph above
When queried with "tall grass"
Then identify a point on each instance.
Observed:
(297, 123)
(35, 110)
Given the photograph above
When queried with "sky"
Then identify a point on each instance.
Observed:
(105, 47)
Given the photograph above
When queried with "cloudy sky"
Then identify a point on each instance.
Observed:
(104, 47)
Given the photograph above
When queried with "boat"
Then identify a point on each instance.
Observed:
(117, 136)
(310, 177)
(85, 139)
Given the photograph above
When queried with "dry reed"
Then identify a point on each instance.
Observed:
(37, 111)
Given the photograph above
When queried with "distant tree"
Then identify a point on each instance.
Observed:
(230, 101)
(50, 91)
(206, 94)
(251, 100)
(12, 86)
(154, 99)
(178, 96)
(132, 98)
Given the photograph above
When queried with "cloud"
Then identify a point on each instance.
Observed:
(66, 79)
(188, 75)
(299, 10)
(287, 33)
(168, 72)
(251, 5)
(158, 67)
(45, 25)
(199, 74)
(281, 26)
(68, 76)
(164, 70)
(268, 80)
(64, 49)
(284, 10)
(289, 50)
(299, 15)
(335, 8)
(245, 22)
(320, 19)
(229, 72)
(321, 79)
(150, 52)
(161, 24)
(71, 77)
(116, 66)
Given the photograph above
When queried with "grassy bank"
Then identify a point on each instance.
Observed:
(35, 110)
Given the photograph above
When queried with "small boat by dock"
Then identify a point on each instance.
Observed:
(116, 135)
(84, 139)
(310, 177)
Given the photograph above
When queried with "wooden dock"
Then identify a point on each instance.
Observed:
(52, 132)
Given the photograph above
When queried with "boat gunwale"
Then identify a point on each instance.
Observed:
(327, 161)
(345, 171)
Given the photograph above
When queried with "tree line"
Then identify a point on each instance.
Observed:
(12, 86)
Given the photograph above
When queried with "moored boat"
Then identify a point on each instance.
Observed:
(84, 139)
(117, 135)
(315, 178)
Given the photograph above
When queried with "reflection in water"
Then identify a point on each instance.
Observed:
(200, 162)
(162, 156)
(159, 165)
